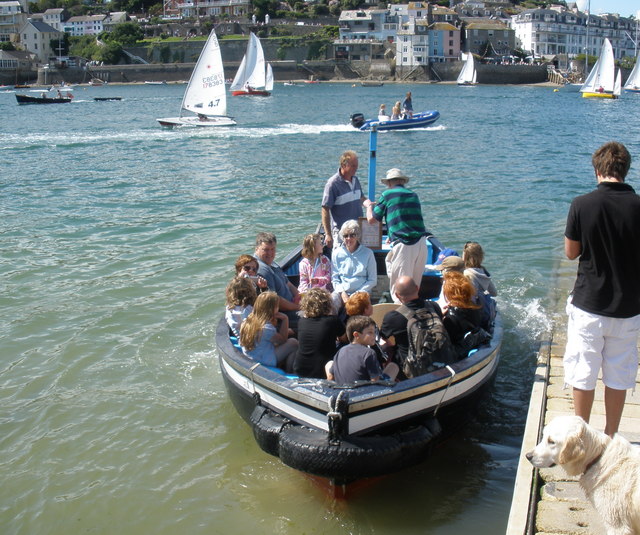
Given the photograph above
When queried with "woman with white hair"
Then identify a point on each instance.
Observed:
(353, 265)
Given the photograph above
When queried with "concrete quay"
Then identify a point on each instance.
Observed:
(547, 501)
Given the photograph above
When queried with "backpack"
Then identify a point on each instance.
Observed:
(429, 343)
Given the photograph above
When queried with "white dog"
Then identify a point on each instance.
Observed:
(609, 469)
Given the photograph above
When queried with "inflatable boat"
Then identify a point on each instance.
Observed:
(418, 120)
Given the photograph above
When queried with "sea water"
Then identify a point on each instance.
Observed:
(117, 241)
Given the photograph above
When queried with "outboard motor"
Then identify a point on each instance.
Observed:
(357, 120)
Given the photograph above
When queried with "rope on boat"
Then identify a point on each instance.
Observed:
(336, 416)
(255, 395)
(453, 374)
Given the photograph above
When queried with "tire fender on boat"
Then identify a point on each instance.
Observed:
(267, 427)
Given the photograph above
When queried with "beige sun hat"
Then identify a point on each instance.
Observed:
(395, 174)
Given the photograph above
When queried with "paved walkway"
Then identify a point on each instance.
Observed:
(547, 501)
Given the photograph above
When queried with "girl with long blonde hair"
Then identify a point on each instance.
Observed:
(263, 335)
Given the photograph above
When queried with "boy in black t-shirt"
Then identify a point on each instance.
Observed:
(357, 361)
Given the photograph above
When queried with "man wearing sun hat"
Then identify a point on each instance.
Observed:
(400, 208)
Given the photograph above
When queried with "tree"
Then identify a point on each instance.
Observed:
(126, 33)
(262, 7)
(7, 45)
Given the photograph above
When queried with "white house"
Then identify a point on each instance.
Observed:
(36, 37)
(12, 18)
(54, 18)
(85, 25)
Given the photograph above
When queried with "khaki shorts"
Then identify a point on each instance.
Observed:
(598, 342)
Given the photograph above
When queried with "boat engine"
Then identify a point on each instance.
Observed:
(357, 120)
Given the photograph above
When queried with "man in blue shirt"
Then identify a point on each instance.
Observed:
(342, 199)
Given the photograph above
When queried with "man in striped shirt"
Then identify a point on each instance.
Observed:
(400, 207)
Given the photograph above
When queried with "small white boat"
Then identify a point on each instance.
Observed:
(601, 82)
(254, 76)
(468, 73)
(633, 82)
(155, 83)
(206, 95)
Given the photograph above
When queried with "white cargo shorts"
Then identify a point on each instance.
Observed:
(595, 342)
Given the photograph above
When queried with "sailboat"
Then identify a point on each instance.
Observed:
(206, 94)
(633, 82)
(601, 80)
(468, 75)
(253, 76)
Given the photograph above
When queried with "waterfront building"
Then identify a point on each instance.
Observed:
(480, 34)
(444, 42)
(113, 19)
(36, 37)
(366, 34)
(13, 15)
(412, 45)
(55, 18)
(551, 32)
(214, 8)
(85, 25)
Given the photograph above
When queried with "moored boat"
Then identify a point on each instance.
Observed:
(418, 120)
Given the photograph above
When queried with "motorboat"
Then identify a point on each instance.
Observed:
(418, 120)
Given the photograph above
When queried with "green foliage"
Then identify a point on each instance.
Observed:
(262, 7)
(317, 50)
(125, 33)
(110, 53)
(7, 45)
(60, 46)
(164, 54)
(627, 62)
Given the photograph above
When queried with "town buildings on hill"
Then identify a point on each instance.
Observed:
(413, 34)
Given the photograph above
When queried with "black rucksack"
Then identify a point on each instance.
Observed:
(429, 343)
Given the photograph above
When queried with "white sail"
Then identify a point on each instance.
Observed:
(205, 92)
(252, 70)
(269, 83)
(633, 82)
(617, 86)
(601, 79)
(467, 75)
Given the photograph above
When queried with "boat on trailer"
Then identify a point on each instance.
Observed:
(418, 120)
(363, 429)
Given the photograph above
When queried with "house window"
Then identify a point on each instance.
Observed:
(451, 42)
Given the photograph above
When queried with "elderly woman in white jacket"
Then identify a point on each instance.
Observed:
(353, 266)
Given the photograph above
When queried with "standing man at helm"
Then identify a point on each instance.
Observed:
(342, 199)
(400, 207)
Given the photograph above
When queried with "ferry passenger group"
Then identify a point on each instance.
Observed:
(302, 329)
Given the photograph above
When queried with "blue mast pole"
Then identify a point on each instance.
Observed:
(373, 143)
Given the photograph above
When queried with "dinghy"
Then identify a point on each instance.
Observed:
(419, 120)
(206, 94)
(363, 429)
(468, 73)
(602, 79)
(254, 77)
(633, 82)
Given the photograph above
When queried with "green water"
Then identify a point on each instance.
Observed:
(117, 240)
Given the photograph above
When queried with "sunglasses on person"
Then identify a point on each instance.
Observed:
(249, 267)
(349, 235)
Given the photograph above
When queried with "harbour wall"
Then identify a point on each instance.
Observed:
(296, 70)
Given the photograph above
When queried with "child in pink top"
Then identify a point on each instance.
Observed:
(315, 268)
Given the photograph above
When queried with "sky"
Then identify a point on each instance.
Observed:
(625, 8)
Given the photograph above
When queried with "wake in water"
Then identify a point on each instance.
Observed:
(49, 139)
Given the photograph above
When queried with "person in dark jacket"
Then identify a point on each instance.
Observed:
(461, 314)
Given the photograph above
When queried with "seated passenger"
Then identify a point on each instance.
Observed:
(461, 316)
(353, 266)
(394, 325)
(277, 280)
(359, 304)
(448, 263)
(241, 294)
(315, 268)
(382, 113)
(261, 340)
(318, 331)
(357, 361)
(473, 255)
(396, 111)
(247, 266)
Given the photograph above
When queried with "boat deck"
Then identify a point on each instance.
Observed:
(547, 501)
